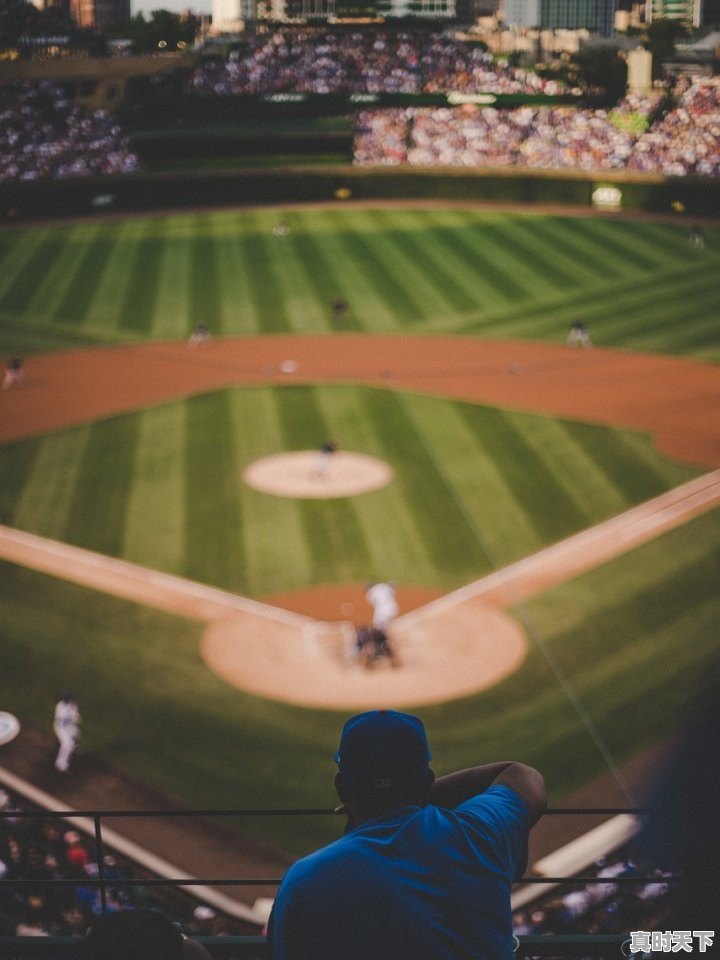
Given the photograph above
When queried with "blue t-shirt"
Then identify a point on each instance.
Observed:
(421, 883)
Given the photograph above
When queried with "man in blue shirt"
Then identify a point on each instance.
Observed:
(425, 868)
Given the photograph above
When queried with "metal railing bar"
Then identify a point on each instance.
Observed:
(262, 812)
(275, 881)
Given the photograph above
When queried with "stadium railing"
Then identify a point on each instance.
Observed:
(546, 947)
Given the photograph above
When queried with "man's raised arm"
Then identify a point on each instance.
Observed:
(451, 790)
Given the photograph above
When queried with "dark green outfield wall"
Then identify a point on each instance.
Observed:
(698, 197)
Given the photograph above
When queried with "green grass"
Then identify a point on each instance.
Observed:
(638, 285)
(632, 636)
(475, 488)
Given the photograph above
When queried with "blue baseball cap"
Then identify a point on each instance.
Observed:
(383, 749)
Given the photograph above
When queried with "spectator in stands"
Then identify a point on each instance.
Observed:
(426, 866)
(43, 135)
(685, 141)
(138, 935)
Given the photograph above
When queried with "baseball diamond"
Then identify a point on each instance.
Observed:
(498, 442)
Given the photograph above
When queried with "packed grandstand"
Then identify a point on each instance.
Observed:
(673, 133)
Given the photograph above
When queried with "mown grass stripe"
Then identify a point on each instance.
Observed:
(301, 297)
(241, 312)
(620, 236)
(489, 283)
(232, 306)
(112, 292)
(171, 318)
(585, 236)
(20, 247)
(263, 286)
(17, 465)
(143, 282)
(516, 237)
(154, 528)
(417, 247)
(701, 339)
(75, 303)
(388, 529)
(497, 282)
(212, 509)
(441, 525)
(610, 244)
(473, 481)
(634, 477)
(98, 503)
(616, 311)
(324, 273)
(579, 476)
(669, 241)
(647, 322)
(203, 293)
(276, 557)
(402, 300)
(18, 296)
(47, 491)
(335, 539)
(592, 260)
(368, 309)
(531, 483)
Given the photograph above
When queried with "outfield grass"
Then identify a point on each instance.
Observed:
(475, 488)
(637, 284)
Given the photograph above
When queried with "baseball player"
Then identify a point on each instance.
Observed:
(66, 725)
(382, 598)
(325, 456)
(579, 336)
(13, 372)
(200, 335)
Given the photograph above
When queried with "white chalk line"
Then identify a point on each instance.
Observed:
(133, 851)
(628, 529)
(86, 567)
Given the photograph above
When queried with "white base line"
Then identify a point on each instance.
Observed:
(89, 569)
(131, 850)
(565, 560)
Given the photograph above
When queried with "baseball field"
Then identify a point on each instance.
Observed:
(147, 466)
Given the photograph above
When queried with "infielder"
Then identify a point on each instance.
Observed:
(66, 725)
(383, 600)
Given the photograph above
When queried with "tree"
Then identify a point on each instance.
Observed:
(600, 67)
(660, 37)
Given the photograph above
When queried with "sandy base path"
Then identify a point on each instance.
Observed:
(449, 647)
(674, 399)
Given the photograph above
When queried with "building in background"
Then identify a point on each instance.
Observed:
(97, 14)
(689, 11)
(234, 16)
(597, 16)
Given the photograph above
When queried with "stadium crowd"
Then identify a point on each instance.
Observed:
(42, 135)
(41, 849)
(295, 61)
(604, 907)
(685, 141)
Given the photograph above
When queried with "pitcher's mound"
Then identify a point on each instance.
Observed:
(302, 474)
